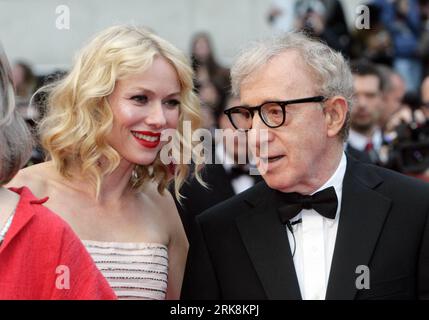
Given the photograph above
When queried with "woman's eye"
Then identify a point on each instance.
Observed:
(172, 103)
(141, 99)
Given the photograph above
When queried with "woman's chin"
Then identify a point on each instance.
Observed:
(143, 161)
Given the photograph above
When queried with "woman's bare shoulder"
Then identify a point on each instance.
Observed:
(35, 177)
(163, 204)
(172, 219)
(162, 200)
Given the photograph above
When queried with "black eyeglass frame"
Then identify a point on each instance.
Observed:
(282, 105)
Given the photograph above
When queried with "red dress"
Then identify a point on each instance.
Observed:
(42, 258)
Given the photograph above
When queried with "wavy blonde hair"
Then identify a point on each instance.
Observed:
(79, 116)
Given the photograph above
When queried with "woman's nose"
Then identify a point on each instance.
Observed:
(156, 117)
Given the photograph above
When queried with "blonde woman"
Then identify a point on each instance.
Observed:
(40, 255)
(105, 177)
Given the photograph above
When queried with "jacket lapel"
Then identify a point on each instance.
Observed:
(363, 212)
(24, 212)
(268, 246)
(266, 241)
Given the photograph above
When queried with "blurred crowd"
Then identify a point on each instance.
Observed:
(390, 62)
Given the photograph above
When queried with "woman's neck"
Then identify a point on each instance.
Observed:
(114, 186)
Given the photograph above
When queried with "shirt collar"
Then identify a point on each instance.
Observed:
(359, 141)
(377, 139)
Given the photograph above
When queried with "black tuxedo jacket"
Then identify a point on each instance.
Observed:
(198, 198)
(357, 154)
(243, 251)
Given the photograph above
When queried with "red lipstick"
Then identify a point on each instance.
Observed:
(147, 139)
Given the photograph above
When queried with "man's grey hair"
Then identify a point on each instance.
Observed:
(333, 75)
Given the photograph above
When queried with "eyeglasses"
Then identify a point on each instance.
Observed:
(272, 113)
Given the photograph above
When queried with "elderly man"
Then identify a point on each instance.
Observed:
(320, 225)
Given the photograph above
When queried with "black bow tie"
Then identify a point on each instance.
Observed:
(325, 202)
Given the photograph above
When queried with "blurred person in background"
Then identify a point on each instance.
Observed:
(205, 63)
(281, 15)
(424, 38)
(211, 79)
(365, 134)
(409, 132)
(25, 83)
(212, 96)
(226, 175)
(375, 43)
(425, 96)
(41, 257)
(393, 90)
(324, 19)
(402, 19)
(410, 111)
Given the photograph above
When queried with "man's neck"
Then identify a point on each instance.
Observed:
(321, 173)
(326, 173)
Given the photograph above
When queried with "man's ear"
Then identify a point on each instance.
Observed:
(335, 110)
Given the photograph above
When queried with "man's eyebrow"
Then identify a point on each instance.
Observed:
(261, 103)
(239, 105)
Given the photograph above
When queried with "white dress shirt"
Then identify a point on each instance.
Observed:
(315, 241)
(359, 141)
